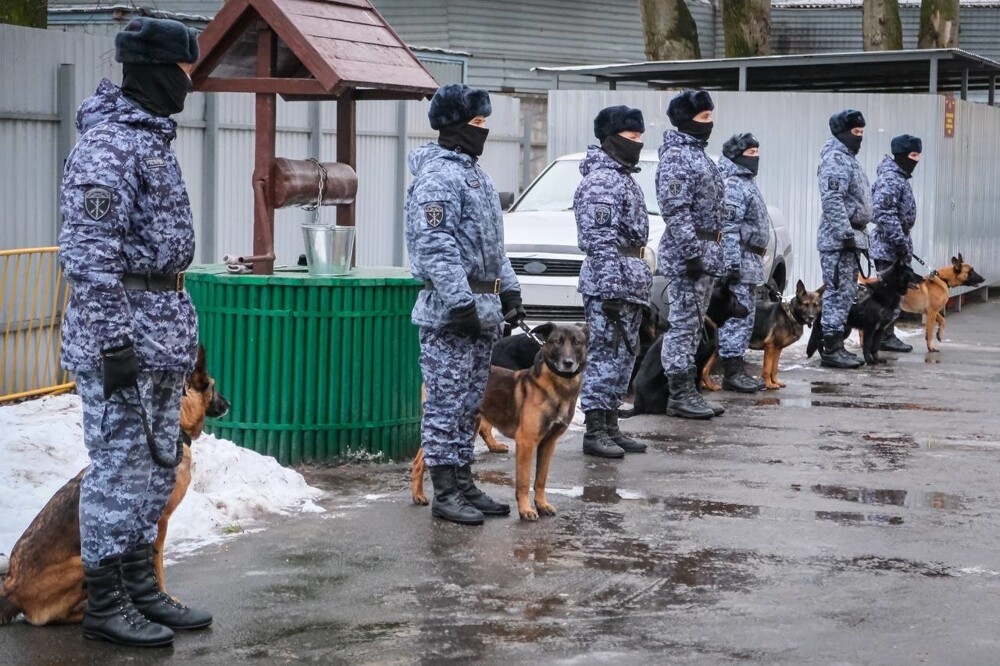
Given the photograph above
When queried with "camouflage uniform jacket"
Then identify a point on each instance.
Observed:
(611, 212)
(125, 210)
(895, 211)
(454, 234)
(690, 191)
(747, 222)
(846, 197)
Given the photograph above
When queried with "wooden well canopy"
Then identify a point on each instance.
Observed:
(341, 50)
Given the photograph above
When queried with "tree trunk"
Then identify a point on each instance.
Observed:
(30, 13)
(670, 30)
(747, 26)
(938, 24)
(883, 30)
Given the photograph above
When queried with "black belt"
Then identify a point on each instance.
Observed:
(154, 281)
(714, 236)
(760, 250)
(637, 251)
(477, 286)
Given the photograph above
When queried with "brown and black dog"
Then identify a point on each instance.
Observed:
(779, 325)
(533, 407)
(931, 297)
(45, 576)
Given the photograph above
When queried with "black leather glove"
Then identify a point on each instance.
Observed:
(510, 306)
(120, 367)
(850, 243)
(734, 275)
(612, 307)
(465, 320)
(694, 268)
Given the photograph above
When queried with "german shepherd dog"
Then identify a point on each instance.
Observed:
(651, 390)
(778, 325)
(871, 312)
(931, 297)
(45, 577)
(533, 407)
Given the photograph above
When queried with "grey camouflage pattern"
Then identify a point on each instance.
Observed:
(845, 194)
(610, 211)
(606, 376)
(690, 191)
(734, 335)
(688, 304)
(454, 233)
(455, 371)
(123, 492)
(144, 226)
(837, 301)
(894, 213)
(746, 222)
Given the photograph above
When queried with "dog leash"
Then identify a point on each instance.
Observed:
(932, 272)
(150, 440)
(524, 327)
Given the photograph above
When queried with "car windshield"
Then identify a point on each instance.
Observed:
(555, 188)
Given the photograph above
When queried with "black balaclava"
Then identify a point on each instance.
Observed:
(470, 139)
(751, 164)
(622, 150)
(698, 130)
(905, 163)
(852, 142)
(160, 89)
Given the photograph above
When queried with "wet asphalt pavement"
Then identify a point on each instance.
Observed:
(849, 518)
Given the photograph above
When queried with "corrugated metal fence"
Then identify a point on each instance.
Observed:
(958, 201)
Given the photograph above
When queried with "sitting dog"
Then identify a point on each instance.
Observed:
(533, 407)
(651, 390)
(778, 325)
(931, 296)
(45, 577)
(872, 310)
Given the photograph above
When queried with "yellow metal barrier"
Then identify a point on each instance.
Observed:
(33, 296)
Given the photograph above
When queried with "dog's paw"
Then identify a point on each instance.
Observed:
(498, 447)
(420, 500)
(712, 386)
(773, 386)
(528, 514)
(545, 509)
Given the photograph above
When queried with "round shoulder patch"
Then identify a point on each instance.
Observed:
(675, 187)
(97, 202)
(602, 213)
(833, 184)
(434, 214)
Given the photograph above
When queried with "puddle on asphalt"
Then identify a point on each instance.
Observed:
(895, 564)
(850, 404)
(852, 518)
(892, 497)
(701, 508)
(496, 477)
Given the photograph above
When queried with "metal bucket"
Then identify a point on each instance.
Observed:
(328, 248)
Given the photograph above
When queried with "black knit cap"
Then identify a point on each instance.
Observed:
(845, 120)
(905, 144)
(688, 104)
(737, 144)
(615, 119)
(151, 41)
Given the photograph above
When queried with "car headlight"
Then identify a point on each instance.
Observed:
(649, 255)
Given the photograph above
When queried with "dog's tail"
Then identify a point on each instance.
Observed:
(626, 413)
(8, 611)
(815, 339)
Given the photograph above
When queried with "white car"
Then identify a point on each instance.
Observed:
(540, 239)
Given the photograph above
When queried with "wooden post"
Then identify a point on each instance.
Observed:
(266, 129)
(347, 147)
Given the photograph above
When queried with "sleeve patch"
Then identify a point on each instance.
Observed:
(730, 213)
(97, 203)
(602, 213)
(834, 184)
(434, 214)
(674, 188)
(888, 201)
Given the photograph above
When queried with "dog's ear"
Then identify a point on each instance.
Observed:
(822, 288)
(800, 289)
(544, 330)
(199, 364)
(956, 262)
(198, 379)
(961, 260)
(585, 328)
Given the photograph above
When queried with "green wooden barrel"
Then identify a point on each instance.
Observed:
(315, 368)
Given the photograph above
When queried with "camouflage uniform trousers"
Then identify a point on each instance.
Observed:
(882, 266)
(606, 377)
(455, 371)
(838, 296)
(124, 491)
(734, 336)
(688, 302)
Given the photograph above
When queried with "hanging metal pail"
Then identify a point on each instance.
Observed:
(328, 248)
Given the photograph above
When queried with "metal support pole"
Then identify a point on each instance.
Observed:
(743, 78)
(210, 149)
(66, 138)
(316, 130)
(399, 220)
(932, 87)
(266, 129)
(965, 83)
(992, 94)
(529, 121)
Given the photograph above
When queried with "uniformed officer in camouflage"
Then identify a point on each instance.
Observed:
(845, 194)
(894, 212)
(454, 235)
(690, 190)
(745, 234)
(612, 229)
(130, 332)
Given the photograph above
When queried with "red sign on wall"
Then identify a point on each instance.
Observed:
(949, 117)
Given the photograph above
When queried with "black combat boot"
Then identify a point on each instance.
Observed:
(735, 377)
(596, 441)
(477, 497)
(139, 576)
(834, 355)
(624, 442)
(449, 502)
(110, 614)
(891, 343)
(684, 400)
